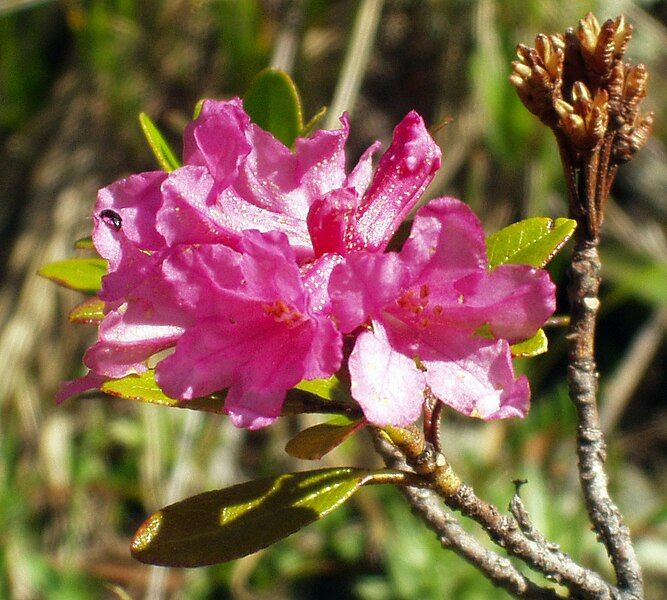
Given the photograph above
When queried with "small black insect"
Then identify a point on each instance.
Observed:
(111, 218)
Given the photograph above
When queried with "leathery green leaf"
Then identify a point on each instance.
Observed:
(82, 274)
(329, 389)
(164, 154)
(89, 312)
(226, 524)
(538, 344)
(272, 101)
(313, 443)
(531, 242)
(144, 388)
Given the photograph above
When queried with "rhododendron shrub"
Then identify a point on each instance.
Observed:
(257, 279)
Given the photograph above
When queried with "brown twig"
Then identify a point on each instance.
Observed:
(426, 504)
(542, 556)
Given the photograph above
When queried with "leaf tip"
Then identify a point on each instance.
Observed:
(146, 534)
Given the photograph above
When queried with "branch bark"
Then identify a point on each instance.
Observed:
(428, 507)
(539, 554)
(583, 384)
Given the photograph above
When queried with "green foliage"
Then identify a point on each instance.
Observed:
(164, 154)
(534, 346)
(89, 312)
(82, 274)
(313, 443)
(272, 101)
(227, 524)
(327, 389)
(531, 242)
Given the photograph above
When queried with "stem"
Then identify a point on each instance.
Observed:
(425, 504)
(504, 530)
(583, 383)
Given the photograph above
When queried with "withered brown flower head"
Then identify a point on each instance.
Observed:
(578, 84)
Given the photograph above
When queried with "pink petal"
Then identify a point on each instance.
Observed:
(401, 178)
(362, 174)
(128, 337)
(315, 276)
(515, 301)
(190, 212)
(217, 139)
(362, 285)
(90, 381)
(136, 201)
(446, 242)
(321, 159)
(386, 383)
(473, 375)
(331, 220)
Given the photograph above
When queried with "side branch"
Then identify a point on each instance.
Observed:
(426, 504)
(504, 530)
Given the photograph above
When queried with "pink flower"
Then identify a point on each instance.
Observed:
(225, 262)
(423, 313)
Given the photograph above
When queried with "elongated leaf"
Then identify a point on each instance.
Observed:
(538, 344)
(530, 242)
(313, 443)
(83, 274)
(197, 111)
(329, 389)
(164, 154)
(89, 312)
(144, 388)
(272, 101)
(226, 524)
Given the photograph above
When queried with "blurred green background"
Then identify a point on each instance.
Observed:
(76, 480)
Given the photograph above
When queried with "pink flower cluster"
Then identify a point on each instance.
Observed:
(248, 267)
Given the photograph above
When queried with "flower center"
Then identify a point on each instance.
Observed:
(283, 313)
(416, 303)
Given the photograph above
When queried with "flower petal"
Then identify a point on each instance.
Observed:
(331, 220)
(217, 139)
(362, 286)
(387, 384)
(404, 171)
(90, 381)
(446, 242)
(473, 375)
(514, 300)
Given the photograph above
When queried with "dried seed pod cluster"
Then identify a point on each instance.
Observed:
(578, 84)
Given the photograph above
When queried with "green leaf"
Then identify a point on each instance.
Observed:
(197, 111)
(308, 127)
(313, 443)
(538, 344)
(226, 524)
(164, 154)
(329, 389)
(89, 312)
(82, 274)
(531, 242)
(272, 101)
(144, 388)
(85, 243)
